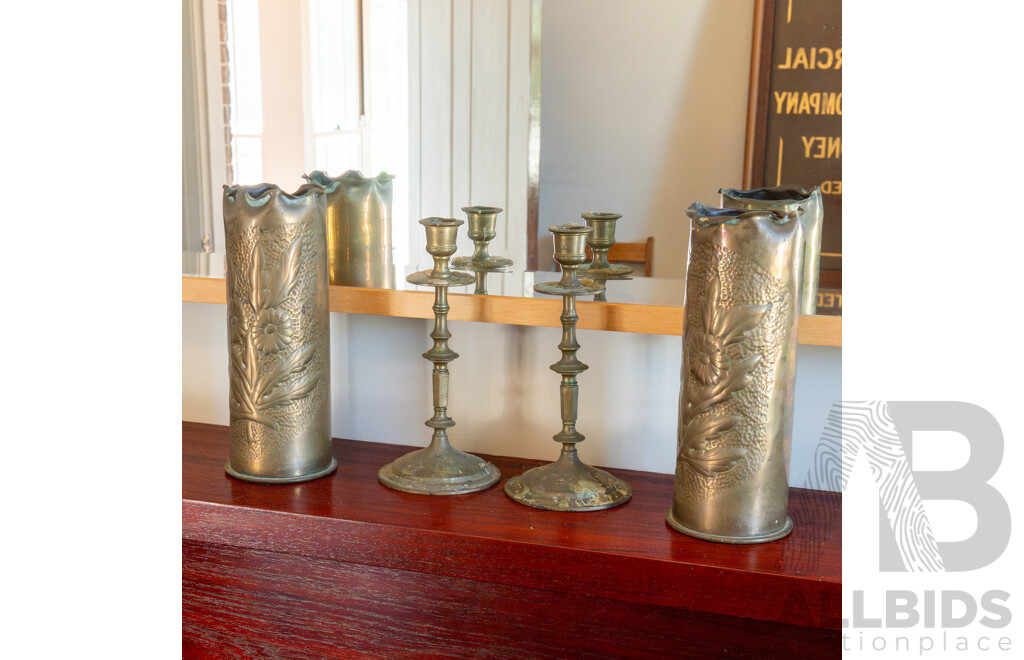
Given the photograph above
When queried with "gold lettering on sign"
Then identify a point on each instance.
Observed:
(817, 57)
(831, 187)
(830, 300)
(808, 103)
(822, 147)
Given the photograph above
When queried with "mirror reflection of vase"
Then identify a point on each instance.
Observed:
(358, 228)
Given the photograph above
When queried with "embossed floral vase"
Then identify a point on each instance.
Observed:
(738, 372)
(278, 343)
(358, 228)
(786, 198)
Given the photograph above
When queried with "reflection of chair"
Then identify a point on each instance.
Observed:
(637, 253)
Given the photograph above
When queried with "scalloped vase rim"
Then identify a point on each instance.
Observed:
(708, 216)
(260, 190)
(781, 193)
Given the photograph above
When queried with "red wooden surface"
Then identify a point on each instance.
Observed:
(242, 603)
(624, 558)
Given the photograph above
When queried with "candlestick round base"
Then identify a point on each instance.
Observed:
(586, 287)
(456, 278)
(439, 470)
(614, 270)
(482, 265)
(568, 485)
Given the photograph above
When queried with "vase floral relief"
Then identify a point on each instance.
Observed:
(278, 362)
(738, 372)
(787, 198)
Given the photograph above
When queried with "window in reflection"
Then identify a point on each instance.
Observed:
(360, 94)
(334, 36)
(244, 87)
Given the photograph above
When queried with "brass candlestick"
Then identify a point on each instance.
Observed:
(568, 484)
(600, 241)
(439, 468)
(482, 222)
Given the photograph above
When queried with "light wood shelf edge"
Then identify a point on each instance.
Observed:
(544, 312)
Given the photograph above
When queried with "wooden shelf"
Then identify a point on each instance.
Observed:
(344, 565)
(545, 312)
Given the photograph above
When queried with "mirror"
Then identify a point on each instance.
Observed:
(642, 110)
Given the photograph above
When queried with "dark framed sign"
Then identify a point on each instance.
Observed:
(795, 111)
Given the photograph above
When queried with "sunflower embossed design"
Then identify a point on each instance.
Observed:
(703, 445)
(273, 331)
(259, 328)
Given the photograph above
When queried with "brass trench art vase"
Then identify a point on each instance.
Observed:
(439, 468)
(278, 343)
(483, 221)
(358, 228)
(788, 198)
(738, 372)
(569, 484)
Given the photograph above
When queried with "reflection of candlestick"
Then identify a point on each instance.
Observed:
(440, 469)
(568, 484)
(482, 222)
(600, 241)
(603, 279)
(481, 283)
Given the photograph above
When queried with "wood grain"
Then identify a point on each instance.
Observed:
(542, 312)
(627, 554)
(243, 603)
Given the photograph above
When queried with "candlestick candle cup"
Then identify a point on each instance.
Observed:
(483, 221)
(568, 484)
(600, 240)
(439, 468)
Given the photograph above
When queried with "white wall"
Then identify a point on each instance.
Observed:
(503, 397)
(469, 75)
(643, 111)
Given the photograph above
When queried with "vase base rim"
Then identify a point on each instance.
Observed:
(735, 540)
(258, 479)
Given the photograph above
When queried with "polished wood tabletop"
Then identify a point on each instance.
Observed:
(628, 553)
